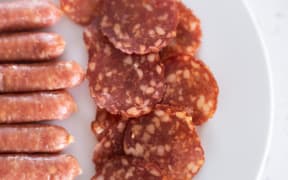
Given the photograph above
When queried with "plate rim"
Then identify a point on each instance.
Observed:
(267, 61)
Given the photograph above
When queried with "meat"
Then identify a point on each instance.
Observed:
(27, 15)
(32, 107)
(103, 123)
(36, 167)
(191, 85)
(112, 143)
(140, 26)
(168, 138)
(189, 34)
(33, 138)
(34, 46)
(129, 85)
(81, 12)
(43, 76)
(124, 167)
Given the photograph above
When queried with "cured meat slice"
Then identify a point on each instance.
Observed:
(35, 167)
(191, 85)
(168, 138)
(124, 167)
(33, 138)
(81, 11)
(40, 76)
(112, 143)
(103, 123)
(140, 26)
(189, 34)
(129, 85)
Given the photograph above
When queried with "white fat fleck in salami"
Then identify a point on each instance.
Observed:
(167, 137)
(140, 26)
(189, 34)
(27, 15)
(125, 167)
(191, 85)
(129, 85)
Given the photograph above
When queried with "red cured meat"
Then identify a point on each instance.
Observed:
(129, 85)
(189, 34)
(191, 85)
(81, 11)
(140, 26)
(168, 138)
(103, 123)
(124, 167)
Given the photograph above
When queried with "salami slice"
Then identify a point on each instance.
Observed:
(129, 85)
(124, 167)
(103, 123)
(167, 137)
(112, 143)
(81, 11)
(140, 26)
(189, 34)
(191, 84)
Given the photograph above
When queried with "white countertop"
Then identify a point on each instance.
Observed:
(272, 17)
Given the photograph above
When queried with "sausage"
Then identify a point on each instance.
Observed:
(140, 26)
(30, 138)
(128, 168)
(35, 167)
(42, 76)
(130, 85)
(81, 12)
(32, 107)
(27, 15)
(34, 46)
(167, 137)
(191, 85)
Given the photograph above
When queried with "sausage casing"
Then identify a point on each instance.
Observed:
(33, 138)
(43, 76)
(27, 15)
(34, 46)
(33, 107)
(52, 167)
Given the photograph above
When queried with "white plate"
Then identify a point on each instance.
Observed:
(236, 139)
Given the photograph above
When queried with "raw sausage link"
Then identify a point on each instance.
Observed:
(33, 138)
(27, 15)
(30, 46)
(23, 167)
(32, 107)
(42, 76)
